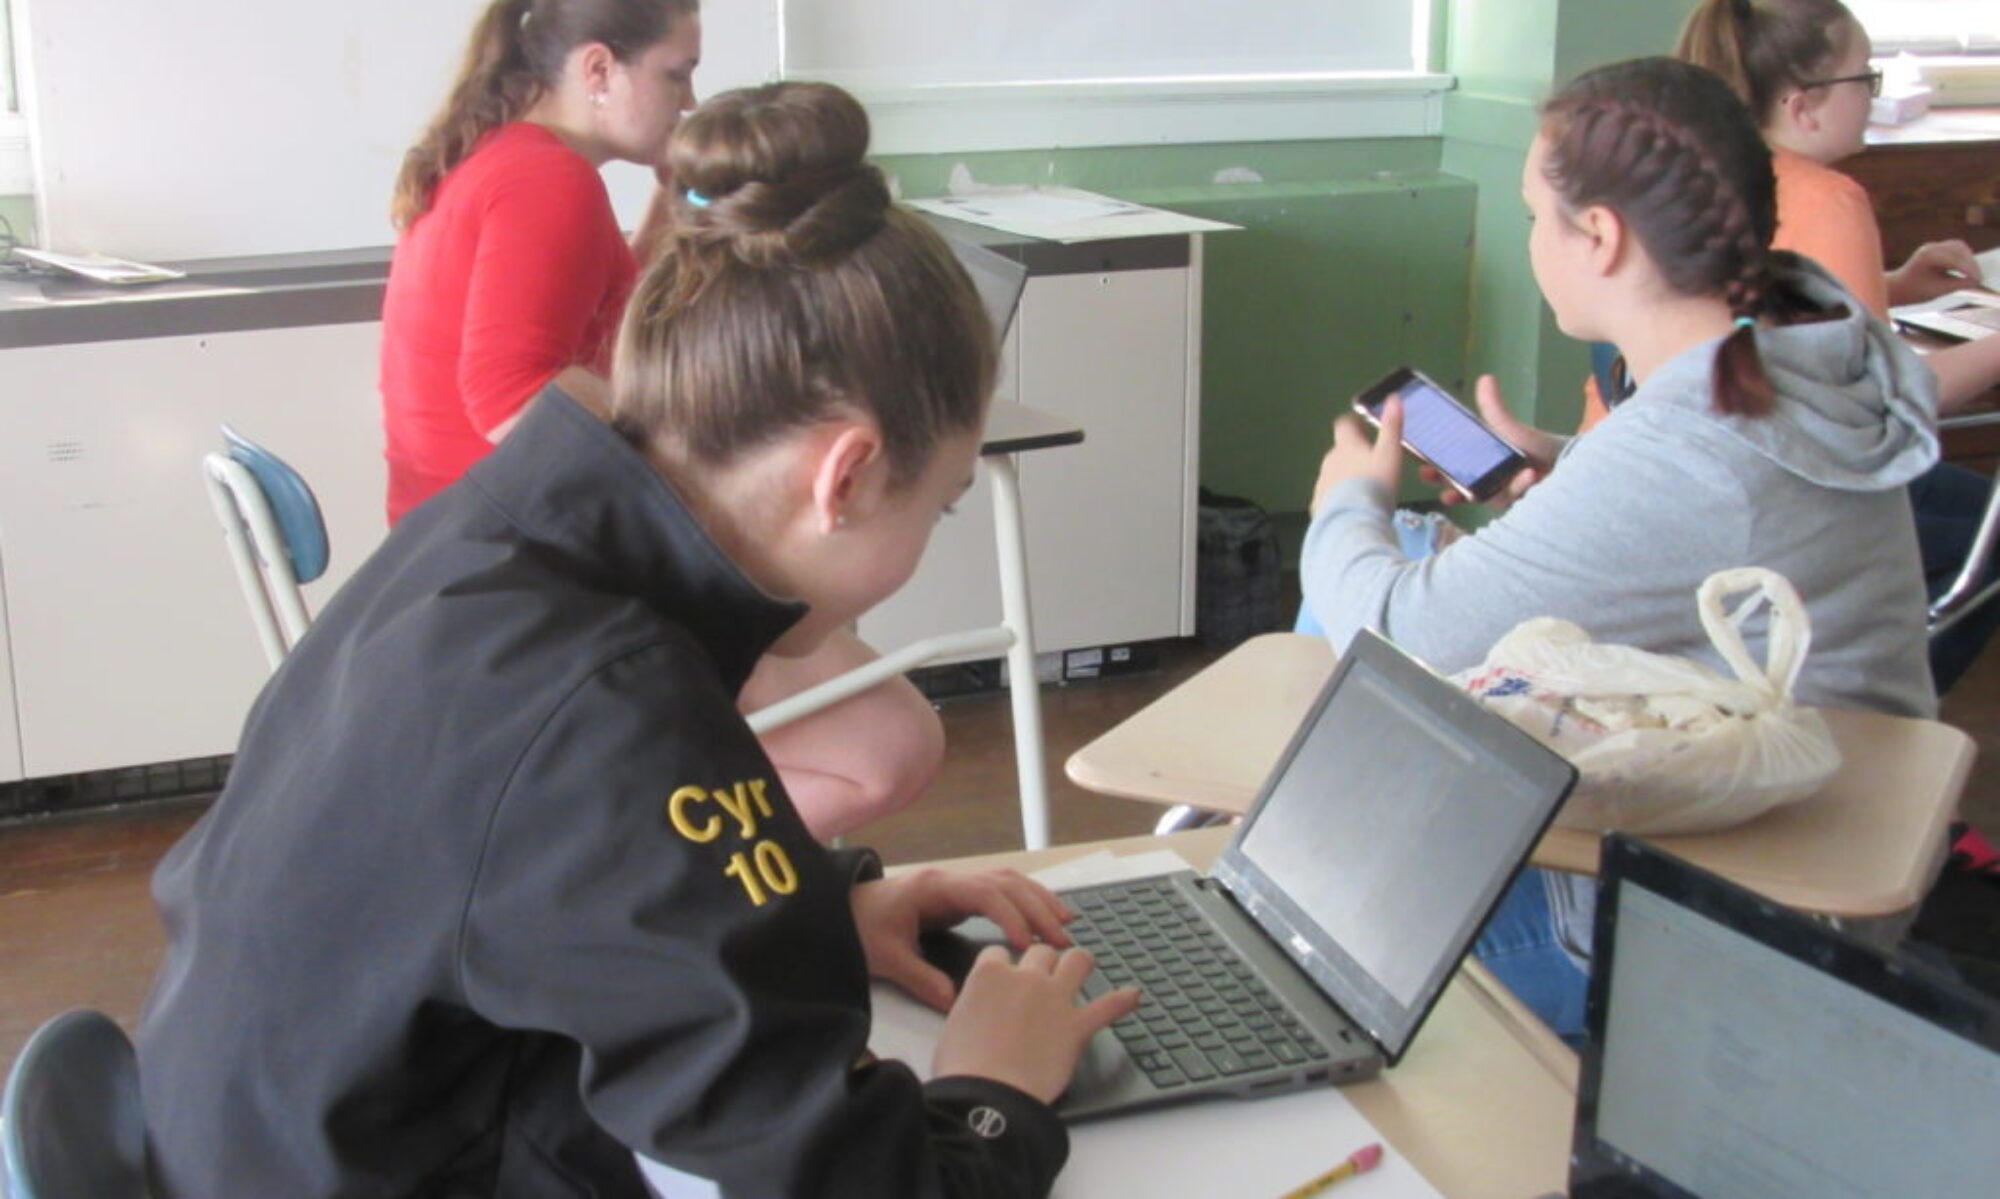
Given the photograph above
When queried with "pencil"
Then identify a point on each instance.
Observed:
(1360, 1161)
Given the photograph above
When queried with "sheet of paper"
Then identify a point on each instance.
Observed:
(1064, 214)
(1989, 267)
(101, 267)
(1947, 301)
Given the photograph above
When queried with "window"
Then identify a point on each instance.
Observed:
(10, 99)
(16, 171)
(965, 75)
(1941, 27)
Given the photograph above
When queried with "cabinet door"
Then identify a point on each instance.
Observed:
(131, 643)
(957, 585)
(1109, 522)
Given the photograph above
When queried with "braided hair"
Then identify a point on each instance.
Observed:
(791, 289)
(1673, 151)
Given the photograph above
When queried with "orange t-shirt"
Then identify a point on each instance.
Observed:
(1827, 217)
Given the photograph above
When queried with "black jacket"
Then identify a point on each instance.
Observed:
(502, 889)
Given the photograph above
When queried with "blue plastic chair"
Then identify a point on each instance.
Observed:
(71, 1124)
(275, 535)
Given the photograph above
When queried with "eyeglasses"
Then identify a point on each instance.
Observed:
(1872, 78)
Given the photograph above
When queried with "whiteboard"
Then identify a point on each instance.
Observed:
(211, 128)
(922, 43)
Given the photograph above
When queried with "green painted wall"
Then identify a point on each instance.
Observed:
(1353, 258)
(1331, 284)
(1507, 56)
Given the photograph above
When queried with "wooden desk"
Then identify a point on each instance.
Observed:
(1482, 1103)
(1866, 846)
(1937, 177)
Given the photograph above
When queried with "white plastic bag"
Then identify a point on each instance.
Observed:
(1662, 744)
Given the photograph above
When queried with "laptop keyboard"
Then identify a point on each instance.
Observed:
(1205, 1013)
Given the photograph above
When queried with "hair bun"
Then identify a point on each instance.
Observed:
(782, 174)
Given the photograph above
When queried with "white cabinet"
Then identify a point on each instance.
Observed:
(957, 585)
(1110, 522)
(123, 639)
(130, 643)
(11, 770)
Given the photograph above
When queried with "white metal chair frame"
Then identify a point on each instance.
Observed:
(1965, 593)
(258, 552)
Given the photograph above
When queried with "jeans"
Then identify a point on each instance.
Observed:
(1948, 502)
(1520, 947)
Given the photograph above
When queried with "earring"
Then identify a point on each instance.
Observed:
(840, 521)
(597, 98)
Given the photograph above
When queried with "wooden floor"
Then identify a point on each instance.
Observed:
(77, 926)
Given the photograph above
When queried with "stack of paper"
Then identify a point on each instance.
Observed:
(1064, 214)
(99, 267)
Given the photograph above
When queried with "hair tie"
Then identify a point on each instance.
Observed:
(1746, 322)
(696, 199)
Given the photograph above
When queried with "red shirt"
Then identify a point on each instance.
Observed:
(517, 271)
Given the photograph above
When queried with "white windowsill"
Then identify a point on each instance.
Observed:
(971, 118)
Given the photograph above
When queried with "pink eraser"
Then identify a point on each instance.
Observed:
(1367, 1157)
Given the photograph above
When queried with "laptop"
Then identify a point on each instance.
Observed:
(1389, 829)
(998, 279)
(1739, 1050)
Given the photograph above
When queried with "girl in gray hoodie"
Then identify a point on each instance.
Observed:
(1775, 424)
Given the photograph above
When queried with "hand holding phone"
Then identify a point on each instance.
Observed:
(1443, 432)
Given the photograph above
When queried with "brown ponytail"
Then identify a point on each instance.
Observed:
(791, 289)
(516, 53)
(1762, 48)
(1670, 148)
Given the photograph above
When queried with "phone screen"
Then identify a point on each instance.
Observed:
(1452, 439)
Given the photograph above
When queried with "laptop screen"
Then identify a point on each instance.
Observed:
(1387, 832)
(1740, 1051)
(998, 279)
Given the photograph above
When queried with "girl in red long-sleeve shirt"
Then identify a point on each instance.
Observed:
(511, 272)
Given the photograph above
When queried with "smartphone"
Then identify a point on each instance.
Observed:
(1444, 432)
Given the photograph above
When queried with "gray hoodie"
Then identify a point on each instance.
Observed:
(1662, 493)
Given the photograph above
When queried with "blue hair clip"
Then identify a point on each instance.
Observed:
(697, 200)
(1746, 322)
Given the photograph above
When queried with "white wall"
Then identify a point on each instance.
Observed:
(218, 127)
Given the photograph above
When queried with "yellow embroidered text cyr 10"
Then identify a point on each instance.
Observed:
(766, 869)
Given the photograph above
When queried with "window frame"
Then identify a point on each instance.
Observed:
(1897, 18)
(1038, 114)
(17, 172)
